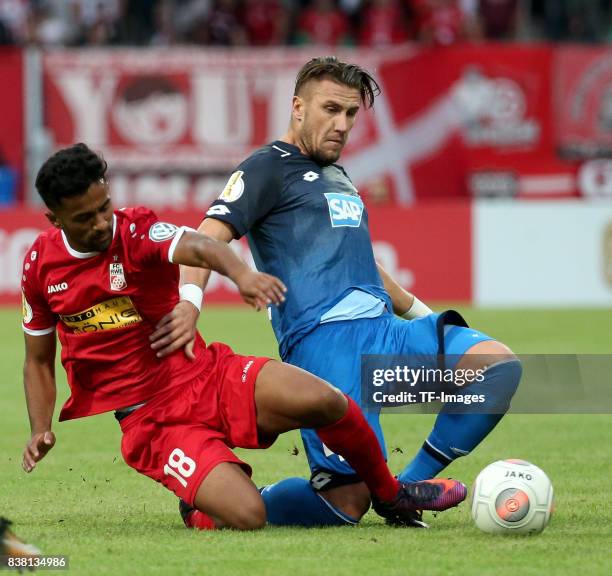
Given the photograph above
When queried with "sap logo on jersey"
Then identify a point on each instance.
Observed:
(344, 209)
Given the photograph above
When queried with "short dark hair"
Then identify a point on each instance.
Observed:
(348, 74)
(69, 172)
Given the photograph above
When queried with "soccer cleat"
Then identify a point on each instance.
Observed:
(407, 519)
(193, 518)
(450, 493)
(10, 545)
(437, 494)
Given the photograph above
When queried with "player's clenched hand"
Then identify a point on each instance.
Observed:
(36, 449)
(259, 289)
(175, 330)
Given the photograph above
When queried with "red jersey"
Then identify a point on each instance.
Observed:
(104, 306)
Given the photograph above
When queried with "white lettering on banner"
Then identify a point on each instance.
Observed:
(89, 101)
(493, 111)
(221, 106)
(13, 248)
(222, 109)
(279, 93)
(134, 108)
(155, 119)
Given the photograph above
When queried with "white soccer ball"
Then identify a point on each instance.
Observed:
(512, 497)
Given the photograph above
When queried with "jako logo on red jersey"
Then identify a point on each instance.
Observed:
(53, 288)
(344, 209)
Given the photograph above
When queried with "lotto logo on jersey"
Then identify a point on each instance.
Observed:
(218, 210)
(344, 209)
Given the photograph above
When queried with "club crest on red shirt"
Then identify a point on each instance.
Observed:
(117, 277)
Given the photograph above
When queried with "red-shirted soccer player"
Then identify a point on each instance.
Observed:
(103, 279)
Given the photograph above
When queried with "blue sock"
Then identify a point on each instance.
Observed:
(454, 434)
(293, 502)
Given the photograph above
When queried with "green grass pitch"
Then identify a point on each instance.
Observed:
(84, 502)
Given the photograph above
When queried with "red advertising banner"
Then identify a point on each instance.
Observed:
(183, 109)
(467, 121)
(427, 249)
(12, 102)
(450, 113)
(471, 120)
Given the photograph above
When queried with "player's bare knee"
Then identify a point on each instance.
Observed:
(250, 516)
(331, 403)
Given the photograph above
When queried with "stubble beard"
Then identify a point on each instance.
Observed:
(321, 158)
(326, 160)
(100, 245)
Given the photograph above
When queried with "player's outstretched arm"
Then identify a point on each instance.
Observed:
(177, 329)
(256, 288)
(40, 391)
(405, 304)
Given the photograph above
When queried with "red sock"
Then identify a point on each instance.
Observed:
(199, 521)
(352, 438)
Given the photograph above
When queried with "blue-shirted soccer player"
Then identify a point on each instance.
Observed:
(307, 225)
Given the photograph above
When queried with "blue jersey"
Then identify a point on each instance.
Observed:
(305, 224)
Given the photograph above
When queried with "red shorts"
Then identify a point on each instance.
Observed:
(179, 437)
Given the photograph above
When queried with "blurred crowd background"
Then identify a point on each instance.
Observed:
(51, 23)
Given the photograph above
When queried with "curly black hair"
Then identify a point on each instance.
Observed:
(69, 172)
(350, 75)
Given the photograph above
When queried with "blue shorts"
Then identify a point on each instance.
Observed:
(333, 352)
